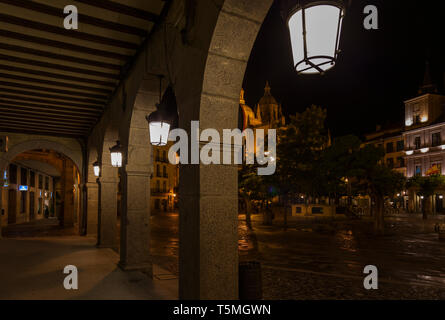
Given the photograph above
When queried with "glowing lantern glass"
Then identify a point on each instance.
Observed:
(159, 128)
(96, 167)
(315, 31)
(116, 155)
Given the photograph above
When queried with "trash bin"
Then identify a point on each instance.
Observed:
(250, 285)
(440, 229)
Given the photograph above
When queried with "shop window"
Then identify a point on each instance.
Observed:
(23, 177)
(32, 179)
(13, 174)
(46, 183)
(40, 181)
(23, 201)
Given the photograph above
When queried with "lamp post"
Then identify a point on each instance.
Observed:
(315, 29)
(116, 155)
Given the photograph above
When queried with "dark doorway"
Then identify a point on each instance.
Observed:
(31, 206)
(12, 207)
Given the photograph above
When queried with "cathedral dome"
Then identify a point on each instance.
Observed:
(267, 99)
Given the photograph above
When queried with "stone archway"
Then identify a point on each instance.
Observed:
(66, 157)
(32, 144)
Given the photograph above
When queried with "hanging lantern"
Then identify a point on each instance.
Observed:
(159, 127)
(164, 119)
(315, 30)
(96, 167)
(116, 155)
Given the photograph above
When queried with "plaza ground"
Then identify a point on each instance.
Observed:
(33, 256)
(321, 259)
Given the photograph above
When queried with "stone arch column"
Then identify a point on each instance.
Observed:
(107, 230)
(92, 191)
(208, 197)
(135, 179)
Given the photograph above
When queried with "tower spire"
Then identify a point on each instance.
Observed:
(427, 86)
(241, 97)
(267, 87)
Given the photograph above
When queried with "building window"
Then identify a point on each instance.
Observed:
(400, 145)
(417, 119)
(435, 139)
(389, 147)
(401, 162)
(32, 179)
(418, 171)
(158, 186)
(164, 169)
(13, 174)
(23, 201)
(164, 156)
(23, 177)
(46, 183)
(40, 181)
(164, 187)
(417, 143)
(158, 171)
(390, 162)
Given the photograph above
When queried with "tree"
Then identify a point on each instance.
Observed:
(299, 150)
(253, 187)
(338, 165)
(377, 180)
(426, 187)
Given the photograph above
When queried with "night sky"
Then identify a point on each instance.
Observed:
(376, 71)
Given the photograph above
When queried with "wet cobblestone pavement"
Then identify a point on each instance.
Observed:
(315, 259)
(325, 259)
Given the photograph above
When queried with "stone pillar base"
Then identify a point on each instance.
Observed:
(146, 268)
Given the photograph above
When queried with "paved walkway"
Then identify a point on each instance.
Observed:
(32, 268)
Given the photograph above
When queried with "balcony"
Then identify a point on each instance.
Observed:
(159, 192)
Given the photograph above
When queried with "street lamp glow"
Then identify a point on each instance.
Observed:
(116, 155)
(409, 122)
(96, 167)
(315, 31)
(159, 131)
(424, 119)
